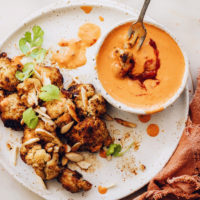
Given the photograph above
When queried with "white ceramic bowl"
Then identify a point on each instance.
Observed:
(154, 108)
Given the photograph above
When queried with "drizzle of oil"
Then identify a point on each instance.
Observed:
(102, 190)
(144, 118)
(153, 130)
(101, 18)
(86, 9)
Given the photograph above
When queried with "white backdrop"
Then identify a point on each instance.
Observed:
(182, 17)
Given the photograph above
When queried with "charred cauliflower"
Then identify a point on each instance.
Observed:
(72, 181)
(12, 109)
(29, 90)
(8, 69)
(40, 149)
(87, 102)
(51, 73)
(91, 133)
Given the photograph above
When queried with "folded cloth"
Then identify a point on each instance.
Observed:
(180, 178)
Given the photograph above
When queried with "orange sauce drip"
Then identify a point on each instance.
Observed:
(101, 18)
(153, 130)
(89, 33)
(86, 9)
(102, 153)
(144, 118)
(102, 190)
(73, 54)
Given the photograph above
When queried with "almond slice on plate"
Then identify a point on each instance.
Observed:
(75, 157)
(125, 123)
(84, 164)
(66, 128)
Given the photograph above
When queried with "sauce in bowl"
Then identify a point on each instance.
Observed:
(157, 68)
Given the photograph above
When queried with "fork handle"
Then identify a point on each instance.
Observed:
(143, 11)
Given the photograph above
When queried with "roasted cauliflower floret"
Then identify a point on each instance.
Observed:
(126, 62)
(87, 102)
(91, 133)
(29, 91)
(51, 73)
(73, 182)
(61, 109)
(56, 108)
(96, 106)
(1, 95)
(12, 109)
(41, 149)
(8, 69)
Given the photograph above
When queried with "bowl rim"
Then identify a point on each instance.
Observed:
(154, 108)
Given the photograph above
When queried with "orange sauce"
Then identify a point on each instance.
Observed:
(72, 57)
(86, 9)
(73, 53)
(129, 91)
(153, 130)
(102, 190)
(102, 153)
(89, 33)
(101, 18)
(144, 118)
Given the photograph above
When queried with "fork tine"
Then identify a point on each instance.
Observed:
(135, 38)
(140, 43)
(130, 32)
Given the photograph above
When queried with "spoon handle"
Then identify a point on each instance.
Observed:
(143, 11)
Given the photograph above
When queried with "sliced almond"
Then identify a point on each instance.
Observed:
(37, 75)
(43, 109)
(64, 161)
(84, 97)
(47, 136)
(111, 186)
(76, 146)
(109, 158)
(22, 122)
(107, 117)
(15, 155)
(31, 141)
(84, 164)
(56, 149)
(72, 110)
(125, 123)
(45, 80)
(42, 183)
(41, 112)
(75, 157)
(32, 98)
(66, 128)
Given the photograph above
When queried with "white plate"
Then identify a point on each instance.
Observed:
(62, 20)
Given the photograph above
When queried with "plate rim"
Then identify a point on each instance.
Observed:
(62, 4)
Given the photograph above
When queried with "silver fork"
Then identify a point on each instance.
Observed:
(137, 31)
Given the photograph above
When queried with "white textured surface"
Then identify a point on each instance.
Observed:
(182, 17)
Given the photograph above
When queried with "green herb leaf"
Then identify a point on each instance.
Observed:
(24, 47)
(114, 150)
(28, 42)
(49, 93)
(38, 54)
(128, 148)
(30, 118)
(27, 71)
(38, 34)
